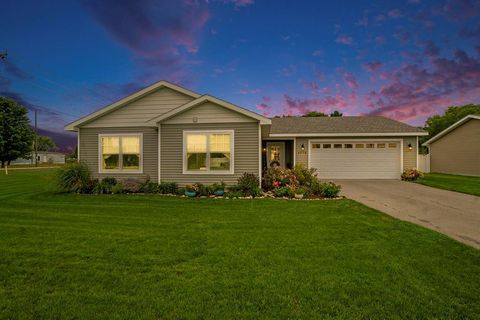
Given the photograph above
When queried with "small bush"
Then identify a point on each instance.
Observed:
(91, 185)
(305, 177)
(167, 187)
(248, 185)
(109, 181)
(102, 188)
(132, 185)
(118, 188)
(284, 192)
(411, 175)
(219, 186)
(149, 187)
(276, 177)
(181, 191)
(330, 190)
(74, 177)
(234, 191)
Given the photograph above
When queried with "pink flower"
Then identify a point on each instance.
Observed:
(276, 184)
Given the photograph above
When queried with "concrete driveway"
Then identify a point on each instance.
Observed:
(454, 214)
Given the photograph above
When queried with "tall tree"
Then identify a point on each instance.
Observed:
(314, 114)
(336, 113)
(438, 123)
(16, 136)
(45, 144)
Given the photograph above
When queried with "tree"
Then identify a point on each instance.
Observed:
(336, 113)
(314, 114)
(16, 136)
(438, 123)
(45, 143)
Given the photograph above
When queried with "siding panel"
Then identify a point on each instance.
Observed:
(246, 152)
(209, 113)
(139, 111)
(89, 151)
(458, 152)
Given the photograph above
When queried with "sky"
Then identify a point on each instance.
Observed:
(404, 59)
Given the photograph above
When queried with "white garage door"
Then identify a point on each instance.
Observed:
(356, 159)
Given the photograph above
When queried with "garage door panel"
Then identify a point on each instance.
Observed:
(356, 163)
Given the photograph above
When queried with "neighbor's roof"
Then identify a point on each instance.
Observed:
(452, 127)
(341, 126)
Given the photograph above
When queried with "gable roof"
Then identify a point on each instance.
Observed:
(208, 98)
(72, 126)
(452, 127)
(341, 126)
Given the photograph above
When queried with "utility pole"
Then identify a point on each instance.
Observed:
(36, 140)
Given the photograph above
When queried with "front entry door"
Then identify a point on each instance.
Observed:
(276, 152)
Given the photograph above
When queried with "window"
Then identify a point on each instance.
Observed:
(370, 145)
(337, 146)
(348, 146)
(392, 145)
(359, 145)
(327, 146)
(120, 153)
(208, 152)
(315, 145)
(381, 145)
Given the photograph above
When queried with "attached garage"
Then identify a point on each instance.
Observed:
(357, 159)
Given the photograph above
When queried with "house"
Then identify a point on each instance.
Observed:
(42, 157)
(166, 132)
(456, 150)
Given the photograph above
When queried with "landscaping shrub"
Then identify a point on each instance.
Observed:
(218, 186)
(102, 188)
(276, 177)
(118, 188)
(234, 191)
(305, 177)
(284, 192)
(411, 175)
(330, 190)
(149, 187)
(74, 177)
(132, 185)
(167, 187)
(248, 185)
(181, 191)
(110, 181)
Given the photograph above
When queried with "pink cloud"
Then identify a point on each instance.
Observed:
(349, 79)
(414, 92)
(344, 39)
(395, 13)
(265, 106)
(379, 40)
(372, 66)
(292, 106)
(241, 3)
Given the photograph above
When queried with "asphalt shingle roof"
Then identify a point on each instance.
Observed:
(360, 124)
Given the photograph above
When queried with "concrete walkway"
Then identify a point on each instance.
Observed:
(454, 214)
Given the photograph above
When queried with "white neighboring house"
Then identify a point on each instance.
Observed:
(42, 157)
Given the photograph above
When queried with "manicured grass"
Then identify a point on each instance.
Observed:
(97, 257)
(464, 184)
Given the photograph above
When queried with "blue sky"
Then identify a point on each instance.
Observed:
(404, 59)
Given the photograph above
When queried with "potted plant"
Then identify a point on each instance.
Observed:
(299, 193)
(191, 190)
(219, 189)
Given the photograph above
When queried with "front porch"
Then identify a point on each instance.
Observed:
(280, 152)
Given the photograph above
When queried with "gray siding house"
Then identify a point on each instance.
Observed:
(456, 150)
(168, 133)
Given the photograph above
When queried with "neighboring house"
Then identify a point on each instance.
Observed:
(42, 157)
(456, 149)
(166, 132)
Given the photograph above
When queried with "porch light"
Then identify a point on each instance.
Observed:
(410, 147)
(264, 149)
(302, 147)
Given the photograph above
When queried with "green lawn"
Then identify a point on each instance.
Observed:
(97, 257)
(464, 184)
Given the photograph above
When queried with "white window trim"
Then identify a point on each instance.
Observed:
(119, 135)
(207, 132)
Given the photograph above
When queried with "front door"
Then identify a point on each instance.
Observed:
(276, 153)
